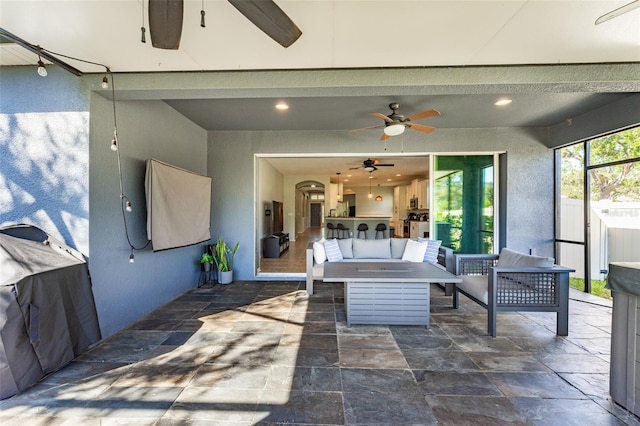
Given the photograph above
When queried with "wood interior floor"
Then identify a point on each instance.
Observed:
(293, 260)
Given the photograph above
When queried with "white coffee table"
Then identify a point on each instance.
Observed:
(392, 293)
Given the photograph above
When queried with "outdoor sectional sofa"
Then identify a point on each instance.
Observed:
(382, 250)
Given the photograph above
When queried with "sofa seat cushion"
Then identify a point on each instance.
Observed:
(476, 286)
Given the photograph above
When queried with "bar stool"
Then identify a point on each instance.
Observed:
(363, 227)
(342, 230)
(331, 227)
(381, 227)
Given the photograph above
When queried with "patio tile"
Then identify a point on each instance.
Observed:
(213, 404)
(455, 383)
(574, 363)
(372, 358)
(318, 379)
(133, 402)
(509, 361)
(300, 407)
(232, 376)
(469, 410)
(566, 412)
(534, 385)
(382, 381)
(398, 409)
(438, 360)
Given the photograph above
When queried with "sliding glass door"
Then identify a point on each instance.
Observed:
(463, 198)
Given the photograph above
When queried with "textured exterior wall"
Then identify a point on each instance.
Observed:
(44, 153)
(146, 129)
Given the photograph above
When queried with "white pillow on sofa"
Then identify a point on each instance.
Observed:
(332, 249)
(319, 254)
(512, 259)
(414, 251)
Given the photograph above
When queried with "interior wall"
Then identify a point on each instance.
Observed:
(530, 194)
(369, 207)
(44, 153)
(124, 292)
(271, 185)
(291, 214)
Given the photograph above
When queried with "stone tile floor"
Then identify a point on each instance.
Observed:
(265, 353)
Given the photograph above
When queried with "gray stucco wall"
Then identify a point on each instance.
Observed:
(44, 147)
(146, 129)
(530, 221)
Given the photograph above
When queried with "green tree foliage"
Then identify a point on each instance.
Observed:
(618, 182)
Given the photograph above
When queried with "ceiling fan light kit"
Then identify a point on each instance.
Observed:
(394, 123)
(394, 129)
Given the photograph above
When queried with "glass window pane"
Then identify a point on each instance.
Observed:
(619, 146)
(463, 210)
(571, 224)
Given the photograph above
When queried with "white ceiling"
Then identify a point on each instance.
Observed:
(343, 34)
(335, 34)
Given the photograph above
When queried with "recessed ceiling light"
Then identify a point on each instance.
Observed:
(346, 180)
(349, 175)
(388, 180)
(398, 174)
(503, 102)
(282, 106)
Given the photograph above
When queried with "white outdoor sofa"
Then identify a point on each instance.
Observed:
(514, 281)
(383, 250)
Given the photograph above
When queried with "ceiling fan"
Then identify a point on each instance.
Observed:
(370, 165)
(619, 11)
(165, 21)
(394, 123)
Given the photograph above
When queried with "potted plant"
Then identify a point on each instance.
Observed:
(223, 258)
(206, 260)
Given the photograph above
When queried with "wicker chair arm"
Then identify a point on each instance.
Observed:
(475, 264)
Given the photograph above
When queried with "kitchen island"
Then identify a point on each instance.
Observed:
(353, 222)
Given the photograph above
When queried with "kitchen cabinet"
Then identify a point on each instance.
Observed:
(423, 194)
(419, 189)
(417, 229)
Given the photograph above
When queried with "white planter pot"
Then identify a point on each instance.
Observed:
(225, 277)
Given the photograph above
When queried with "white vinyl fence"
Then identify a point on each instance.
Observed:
(615, 235)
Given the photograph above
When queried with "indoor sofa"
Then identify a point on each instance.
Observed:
(382, 250)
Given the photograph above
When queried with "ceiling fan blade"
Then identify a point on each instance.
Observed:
(421, 127)
(381, 117)
(424, 114)
(267, 16)
(619, 11)
(165, 23)
(385, 165)
(365, 128)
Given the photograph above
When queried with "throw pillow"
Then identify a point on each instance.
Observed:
(414, 251)
(319, 255)
(397, 247)
(371, 249)
(345, 248)
(332, 249)
(512, 259)
(433, 247)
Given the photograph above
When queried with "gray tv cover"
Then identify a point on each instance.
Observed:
(47, 311)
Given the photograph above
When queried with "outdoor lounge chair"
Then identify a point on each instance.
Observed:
(514, 282)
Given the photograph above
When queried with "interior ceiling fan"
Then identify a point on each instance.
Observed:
(165, 21)
(370, 165)
(394, 123)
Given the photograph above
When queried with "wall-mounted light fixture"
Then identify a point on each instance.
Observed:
(378, 198)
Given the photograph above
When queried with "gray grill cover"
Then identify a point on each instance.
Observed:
(47, 311)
